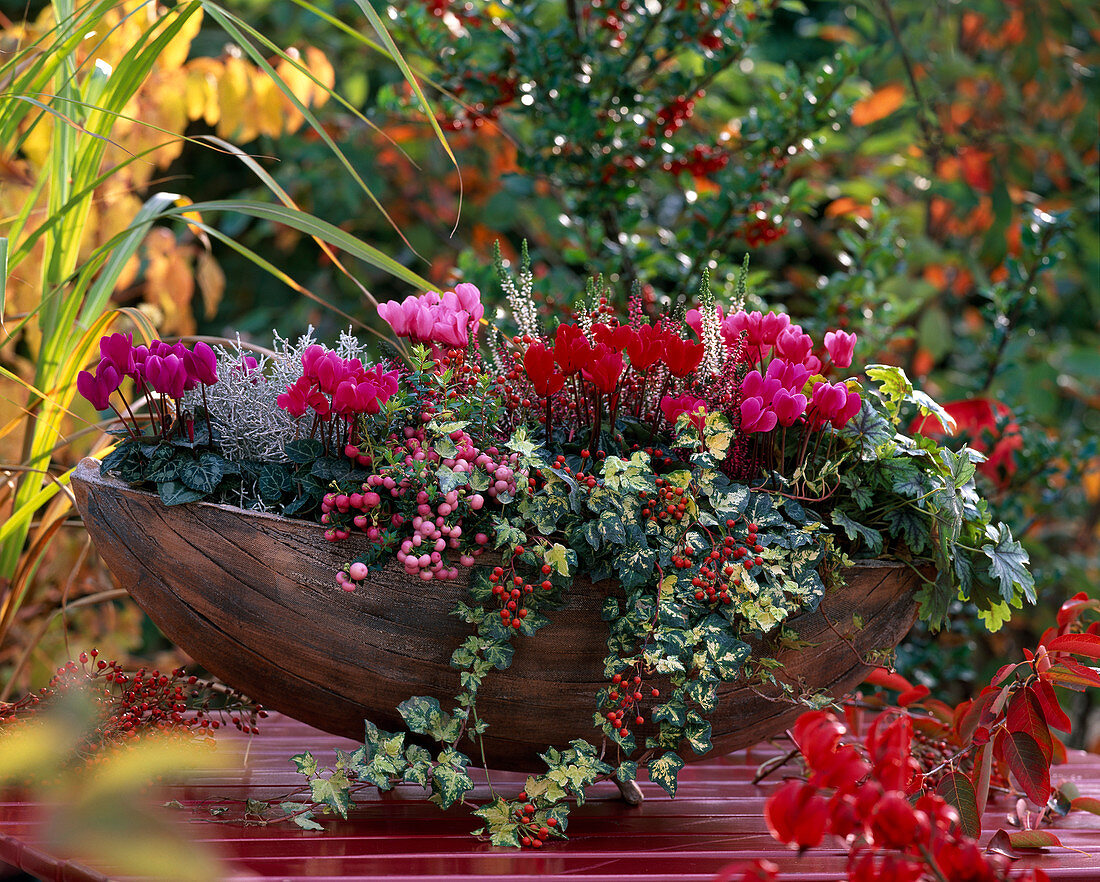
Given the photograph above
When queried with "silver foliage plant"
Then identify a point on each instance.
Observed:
(250, 423)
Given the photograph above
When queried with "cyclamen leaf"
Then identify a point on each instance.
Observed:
(663, 771)
(1008, 563)
(957, 789)
(177, 493)
(303, 450)
(204, 474)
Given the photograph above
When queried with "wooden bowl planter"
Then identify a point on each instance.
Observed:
(252, 597)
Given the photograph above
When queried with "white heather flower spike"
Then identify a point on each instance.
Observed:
(714, 347)
(520, 298)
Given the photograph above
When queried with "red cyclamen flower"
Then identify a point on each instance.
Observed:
(539, 363)
(572, 350)
(605, 368)
(682, 356)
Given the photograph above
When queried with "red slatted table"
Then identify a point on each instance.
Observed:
(715, 820)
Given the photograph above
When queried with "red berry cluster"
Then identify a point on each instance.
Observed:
(701, 160)
(627, 691)
(130, 705)
(717, 573)
(761, 230)
(668, 506)
(513, 591)
(532, 834)
(613, 19)
(674, 115)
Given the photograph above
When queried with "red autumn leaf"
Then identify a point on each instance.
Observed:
(983, 769)
(1078, 644)
(878, 105)
(911, 696)
(1029, 766)
(1052, 710)
(1003, 673)
(1087, 675)
(1085, 804)
(1060, 756)
(1061, 676)
(1033, 839)
(1073, 608)
(887, 680)
(1025, 714)
(975, 715)
(957, 789)
(1001, 844)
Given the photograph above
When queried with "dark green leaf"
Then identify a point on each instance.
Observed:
(204, 474)
(304, 450)
(856, 531)
(176, 493)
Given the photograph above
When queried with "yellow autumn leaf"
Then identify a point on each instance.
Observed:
(319, 65)
(878, 105)
(234, 91)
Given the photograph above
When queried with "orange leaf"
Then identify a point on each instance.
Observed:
(878, 105)
(1033, 839)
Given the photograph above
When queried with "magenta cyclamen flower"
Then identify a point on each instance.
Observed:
(118, 349)
(755, 417)
(97, 388)
(167, 374)
(833, 404)
(791, 375)
(295, 399)
(203, 364)
(788, 408)
(685, 403)
(841, 347)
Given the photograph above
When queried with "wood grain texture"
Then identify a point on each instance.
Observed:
(252, 597)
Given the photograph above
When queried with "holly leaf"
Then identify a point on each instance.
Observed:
(1008, 563)
(663, 771)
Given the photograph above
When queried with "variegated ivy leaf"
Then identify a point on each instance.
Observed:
(663, 771)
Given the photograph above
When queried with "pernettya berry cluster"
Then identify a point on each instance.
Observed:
(424, 524)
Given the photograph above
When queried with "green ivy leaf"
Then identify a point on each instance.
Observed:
(449, 785)
(663, 771)
(333, 791)
(423, 715)
(1008, 563)
(697, 733)
(611, 528)
(306, 763)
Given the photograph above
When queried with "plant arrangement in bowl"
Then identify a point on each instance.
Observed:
(611, 545)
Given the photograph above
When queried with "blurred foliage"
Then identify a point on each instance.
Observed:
(102, 813)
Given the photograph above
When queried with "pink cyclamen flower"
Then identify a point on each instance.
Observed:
(772, 325)
(833, 404)
(788, 408)
(755, 417)
(757, 386)
(469, 298)
(793, 344)
(294, 399)
(685, 403)
(166, 374)
(841, 347)
(791, 375)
